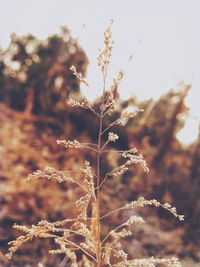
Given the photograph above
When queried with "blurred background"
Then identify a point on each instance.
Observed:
(157, 46)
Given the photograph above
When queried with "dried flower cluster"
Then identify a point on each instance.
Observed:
(141, 202)
(131, 159)
(112, 137)
(84, 104)
(83, 233)
(106, 53)
(79, 76)
(117, 81)
(50, 173)
(69, 144)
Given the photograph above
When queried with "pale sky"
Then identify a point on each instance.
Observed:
(162, 35)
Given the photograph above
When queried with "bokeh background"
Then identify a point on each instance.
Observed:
(156, 44)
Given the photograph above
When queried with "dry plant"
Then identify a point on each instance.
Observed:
(82, 235)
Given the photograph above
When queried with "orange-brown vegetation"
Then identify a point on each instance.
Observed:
(33, 115)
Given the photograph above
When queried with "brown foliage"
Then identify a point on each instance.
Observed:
(28, 143)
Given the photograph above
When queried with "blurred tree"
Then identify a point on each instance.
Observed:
(193, 191)
(155, 130)
(195, 169)
(35, 81)
(35, 75)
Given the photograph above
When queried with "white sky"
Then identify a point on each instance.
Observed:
(162, 35)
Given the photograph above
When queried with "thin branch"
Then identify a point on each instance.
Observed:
(111, 212)
(104, 145)
(64, 221)
(109, 126)
(115, 250)
(80, 171)
(88, 147)
(105, 178)
(98, 254)
(79, 247)
(149, 261)
(94, 111)
(113, 150)
(91, 144)
(111, 173)
(72, 220)
(73, 171)
(64, 261)
(75, 144)
(121, 225)
(82, 187)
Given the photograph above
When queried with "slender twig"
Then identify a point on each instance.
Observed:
(72, 181)
(72, 220)
(74, 232)
(94, 111)
(98, 194)
(88, 192)
(111, 173)
(91, 144)
(104, 145)
(109, 126)
(115, 250)
(87, 253)
(121, 225)
(113, 150)
(80, 171)
(64, 261)
(98, 172)
(104, 179)
(111, 212)
(88, 147)
(74, 171)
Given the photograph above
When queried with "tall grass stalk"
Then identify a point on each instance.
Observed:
(96, 250)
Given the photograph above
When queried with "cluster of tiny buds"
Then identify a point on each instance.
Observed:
(117, 80)
(122, 233)
(88, 245)
(132, 150)
(119, 170)
(134, 219)
(87, 170)
(128, 115)
(138, 159)
(105, 54)
(83, 104)
(112, 137)
(111, 107)
(69, 144)
(128, 153)
(79, 76)
(141, 202)
(121, 254)
(151, 262)
(63, 250)
(106, 256)
(110, 104)
(88, 179)
(50, 173)
(82, 205)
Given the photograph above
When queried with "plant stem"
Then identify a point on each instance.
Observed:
(99, 151)
(98, 194)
